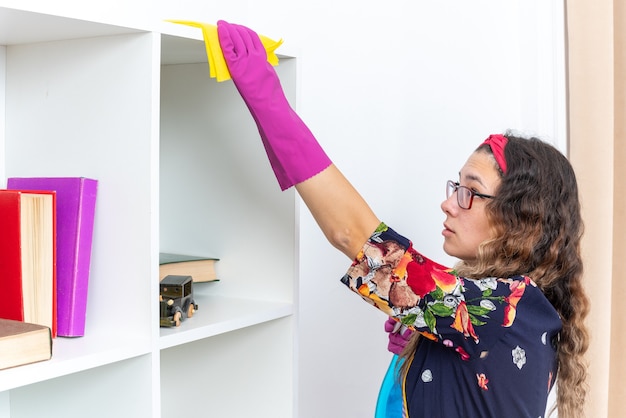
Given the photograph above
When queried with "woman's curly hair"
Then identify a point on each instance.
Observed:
(537, 229)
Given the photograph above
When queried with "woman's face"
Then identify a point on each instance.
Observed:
(465, 229)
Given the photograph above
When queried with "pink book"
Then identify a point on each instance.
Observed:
(76, 202)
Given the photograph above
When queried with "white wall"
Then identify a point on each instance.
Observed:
(398, 94)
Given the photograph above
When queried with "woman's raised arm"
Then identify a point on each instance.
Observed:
(345, 218)
(294, 154)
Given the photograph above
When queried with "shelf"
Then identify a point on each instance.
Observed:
(183, 44)
(23, 27)
(180, 43)
(218, 314)
(179, 165)
(70, 355)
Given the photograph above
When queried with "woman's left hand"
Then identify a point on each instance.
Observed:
(399, 335)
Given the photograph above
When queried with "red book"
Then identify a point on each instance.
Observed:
(28, 256)
(75, 210)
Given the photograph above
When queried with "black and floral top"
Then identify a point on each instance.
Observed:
(488, 346)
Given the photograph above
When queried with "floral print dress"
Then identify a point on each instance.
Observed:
(488, 347)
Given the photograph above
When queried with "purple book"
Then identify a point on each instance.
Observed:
(76, 202)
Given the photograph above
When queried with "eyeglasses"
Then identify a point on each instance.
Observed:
(464, 195)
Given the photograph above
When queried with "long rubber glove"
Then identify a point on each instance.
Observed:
(293, 151)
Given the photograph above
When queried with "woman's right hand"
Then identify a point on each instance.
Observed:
(246, 59)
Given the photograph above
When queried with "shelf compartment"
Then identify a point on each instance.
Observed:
(214, 373)
(121, 389)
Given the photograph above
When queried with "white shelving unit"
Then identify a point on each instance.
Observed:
(180, 168)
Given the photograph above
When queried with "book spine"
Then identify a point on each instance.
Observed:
(74, 305)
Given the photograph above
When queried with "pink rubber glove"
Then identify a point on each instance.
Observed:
(399, 335)
(293, 151)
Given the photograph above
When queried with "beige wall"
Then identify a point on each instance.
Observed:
(596, 53)
(618, 336)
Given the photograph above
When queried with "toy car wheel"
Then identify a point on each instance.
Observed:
(178, 317)
(191, 309)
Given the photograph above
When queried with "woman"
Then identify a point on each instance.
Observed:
(494, 332)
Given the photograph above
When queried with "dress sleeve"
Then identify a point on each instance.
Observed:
(465, 315)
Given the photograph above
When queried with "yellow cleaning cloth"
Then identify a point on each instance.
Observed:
(217, 64)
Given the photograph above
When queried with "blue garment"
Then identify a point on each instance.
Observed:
(389, 403)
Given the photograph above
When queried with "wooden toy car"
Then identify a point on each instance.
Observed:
(176, 300)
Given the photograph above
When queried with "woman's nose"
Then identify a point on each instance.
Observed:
(450, 205)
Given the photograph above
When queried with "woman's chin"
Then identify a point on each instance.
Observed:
(449, 249)
(452, 251)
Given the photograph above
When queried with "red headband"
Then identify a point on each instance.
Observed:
(497, 143)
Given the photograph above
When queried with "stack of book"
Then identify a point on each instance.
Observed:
(45, 250)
